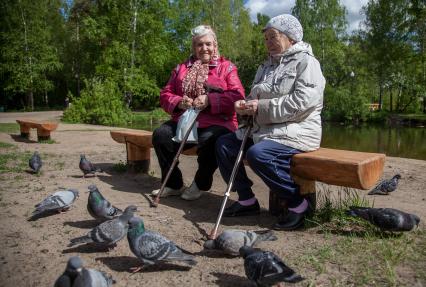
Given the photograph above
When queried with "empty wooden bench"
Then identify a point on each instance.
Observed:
(44, 128)
(353, 169)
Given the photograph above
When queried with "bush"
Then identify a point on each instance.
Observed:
(100, 103)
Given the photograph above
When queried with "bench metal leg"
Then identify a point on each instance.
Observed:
(138, 158)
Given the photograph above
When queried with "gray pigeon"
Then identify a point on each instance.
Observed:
(230, 241)
(58, 201)
(265, 268)
(35, 162)
(151, 247)
(99, 207)
(109, 232)
(87, 167)
(387, 219)
(93, 278)
(74, 267)
(386, 186)
(76, 275)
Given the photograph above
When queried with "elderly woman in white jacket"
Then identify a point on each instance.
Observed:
(286, 100)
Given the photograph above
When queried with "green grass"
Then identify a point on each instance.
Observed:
(14, 161)
(6, 145)
(120, 167)
(353, 252)
(49, 141)
(9, 128)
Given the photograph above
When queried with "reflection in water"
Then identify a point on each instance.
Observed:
(401, 141)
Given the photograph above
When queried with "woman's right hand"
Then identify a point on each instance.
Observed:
(185, 103)
(240, 107)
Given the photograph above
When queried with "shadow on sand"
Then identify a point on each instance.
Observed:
(231, 280)
(124, 263)
(204, 210)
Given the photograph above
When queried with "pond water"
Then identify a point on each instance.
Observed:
(397, 141)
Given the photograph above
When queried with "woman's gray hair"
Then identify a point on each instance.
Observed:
(203, 30)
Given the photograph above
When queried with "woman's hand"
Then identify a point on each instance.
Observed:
(246, 108)
(186, 103)
(251, 107)
(201, 102)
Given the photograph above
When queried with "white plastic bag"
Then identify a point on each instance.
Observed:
(185, 121)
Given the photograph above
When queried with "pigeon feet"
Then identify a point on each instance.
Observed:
(136, 269)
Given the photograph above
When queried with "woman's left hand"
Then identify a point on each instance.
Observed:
(201, 102)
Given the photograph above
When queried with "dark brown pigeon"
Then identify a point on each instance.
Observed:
(387, 219)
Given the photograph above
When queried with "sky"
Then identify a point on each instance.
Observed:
(275, 7)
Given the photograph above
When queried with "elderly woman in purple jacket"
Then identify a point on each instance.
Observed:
(286, 102)
(187, 88)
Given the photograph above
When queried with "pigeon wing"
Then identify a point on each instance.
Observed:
(109, 232)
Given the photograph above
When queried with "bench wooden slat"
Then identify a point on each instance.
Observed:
(338, 167)
(49, 126)
(44, 128)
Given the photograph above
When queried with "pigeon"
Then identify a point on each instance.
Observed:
(74, 267)
(35, 162)
(99, 207)
(76, 275)
(265, 268)
(386, 186)
(151, 247)
(109, 232)
(87, 167)
(231, 240)
(93, 278)
(58, 201)
(387, 219)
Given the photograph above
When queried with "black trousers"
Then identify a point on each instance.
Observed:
(166, 149)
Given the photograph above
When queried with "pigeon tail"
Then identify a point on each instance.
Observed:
(80, 240)
(294, 278)
(210, 244)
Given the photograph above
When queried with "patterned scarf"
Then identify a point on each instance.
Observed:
(193, 83)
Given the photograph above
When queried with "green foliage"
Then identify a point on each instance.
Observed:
(100, 103)
(28, 57)
(52, 47)
(341, 105)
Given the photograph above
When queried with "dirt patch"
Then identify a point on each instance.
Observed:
(35, 253)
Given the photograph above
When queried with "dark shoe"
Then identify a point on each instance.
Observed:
(236, 209)
(292, 220)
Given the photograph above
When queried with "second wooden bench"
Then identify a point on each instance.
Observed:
(44, 128)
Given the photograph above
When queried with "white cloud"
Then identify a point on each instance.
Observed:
(275, 7)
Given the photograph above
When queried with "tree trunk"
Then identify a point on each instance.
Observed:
(78, 57)
(30, 99)
(380, 95)
(390, 100)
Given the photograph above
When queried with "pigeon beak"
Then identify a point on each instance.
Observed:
(79, 269)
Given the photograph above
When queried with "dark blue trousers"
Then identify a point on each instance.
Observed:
(166, 149)
(268, 159)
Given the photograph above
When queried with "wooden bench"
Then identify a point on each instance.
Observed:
(44, 128)
(353, 169)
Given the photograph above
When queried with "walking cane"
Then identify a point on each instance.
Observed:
(175, 160)
(213, 233)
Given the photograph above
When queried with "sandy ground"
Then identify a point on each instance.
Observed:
(35, 253)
